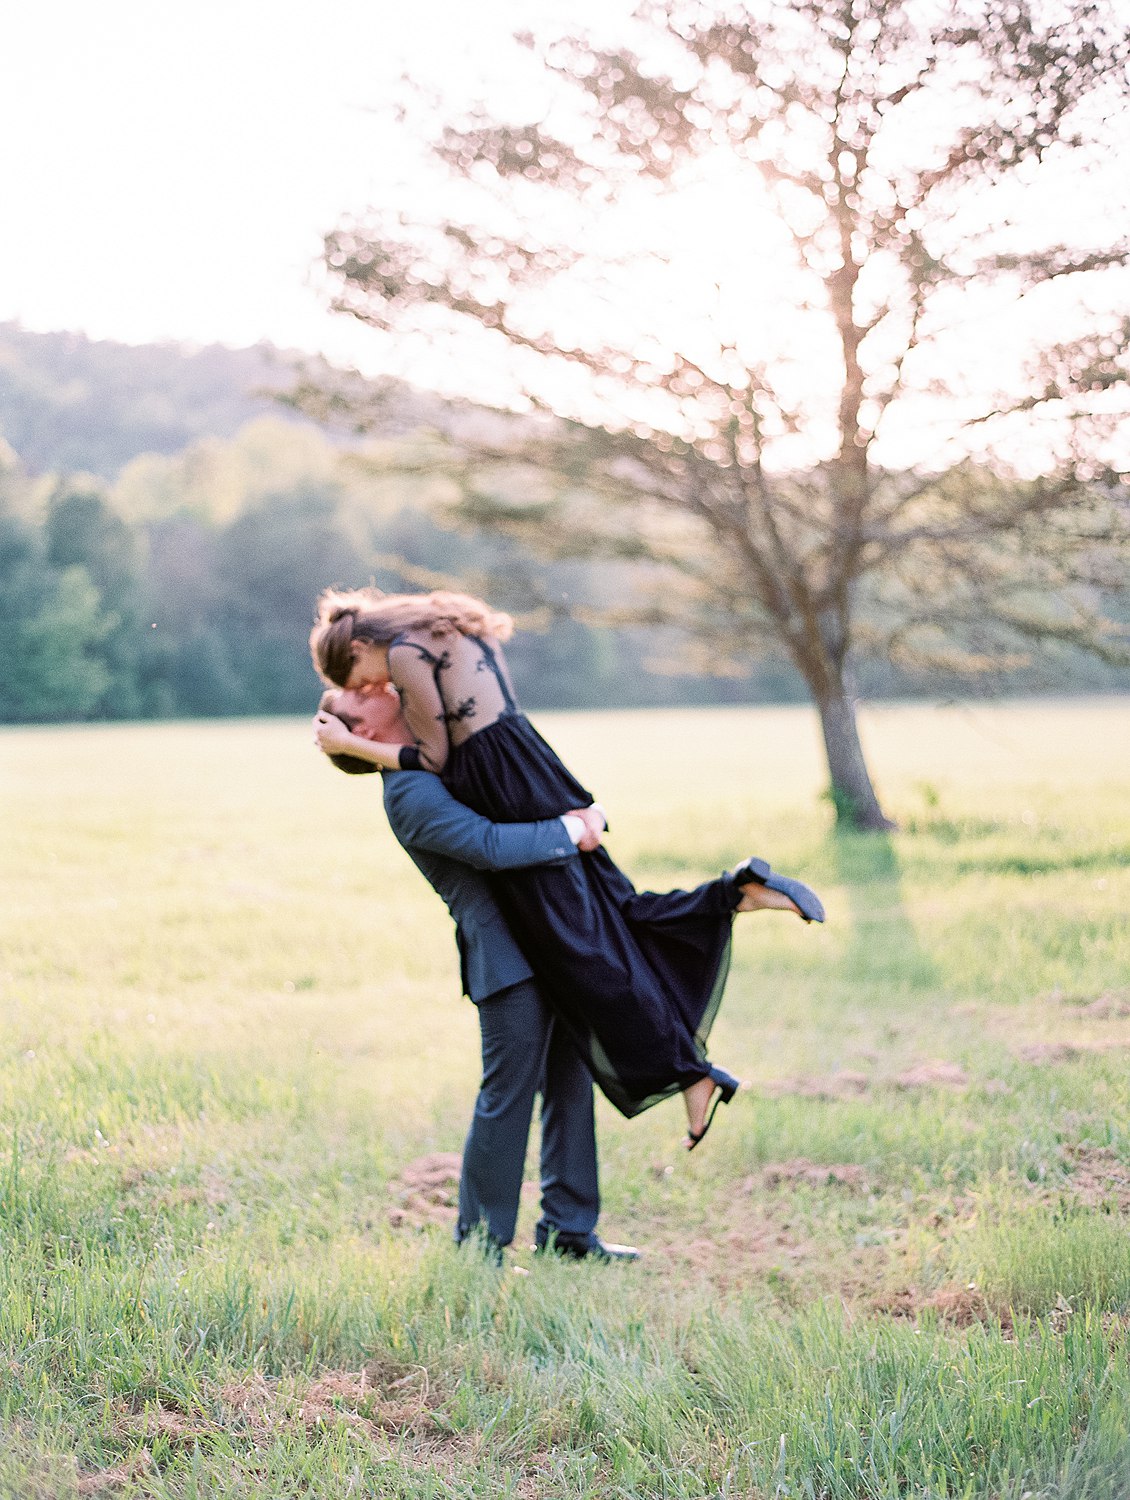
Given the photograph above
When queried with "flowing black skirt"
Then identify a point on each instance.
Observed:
(636, 977)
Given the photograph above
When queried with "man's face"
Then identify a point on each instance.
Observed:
(373, 713)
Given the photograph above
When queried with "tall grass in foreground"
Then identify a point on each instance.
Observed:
(230, 1019)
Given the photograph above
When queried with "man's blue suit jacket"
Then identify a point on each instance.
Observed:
(452, 846)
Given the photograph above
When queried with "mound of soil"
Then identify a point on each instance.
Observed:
(426, 1192)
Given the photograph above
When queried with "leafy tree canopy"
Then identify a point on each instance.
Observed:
(827, 358)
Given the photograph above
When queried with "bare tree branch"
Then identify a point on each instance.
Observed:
(867, 126)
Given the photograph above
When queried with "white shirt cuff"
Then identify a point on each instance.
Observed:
(574, 827)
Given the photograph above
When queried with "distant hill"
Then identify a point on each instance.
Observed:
(69, 403)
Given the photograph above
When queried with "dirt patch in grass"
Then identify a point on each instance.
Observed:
(426, 1192)
(1041, 1053)
(760, 1233)
(749, 1248)
(376, 1402)
(392, 1404)
(1111, 1005)
(959, 1306)
(1048, 1052)
(158, 1421)
(1103, 1008)
(151, 1415)
(106, 1481)
(818, 1174)
(210, 1192)
(846, 1084)
(376, 1399)
(933, 1075)
(392, 1407)
(1096, 1176)
(849, 1084)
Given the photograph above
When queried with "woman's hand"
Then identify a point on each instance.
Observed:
(331, 736)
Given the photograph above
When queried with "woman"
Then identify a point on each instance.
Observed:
(638, 984)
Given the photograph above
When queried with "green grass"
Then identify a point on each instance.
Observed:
(230, 1020)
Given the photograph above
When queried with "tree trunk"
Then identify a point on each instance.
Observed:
(857, 806)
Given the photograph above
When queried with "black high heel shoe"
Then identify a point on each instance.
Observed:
(728, 1086)
(803, 897)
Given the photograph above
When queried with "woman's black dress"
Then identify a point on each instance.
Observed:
(637, 977)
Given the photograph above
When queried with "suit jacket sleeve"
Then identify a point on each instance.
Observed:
(424, 815)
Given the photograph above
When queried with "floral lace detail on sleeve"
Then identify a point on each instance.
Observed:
(414, 671)
(450, 689)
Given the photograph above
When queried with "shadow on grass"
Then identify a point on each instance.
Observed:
(883, 946)
(1090, 861)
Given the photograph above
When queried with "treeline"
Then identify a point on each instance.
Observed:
(186, 615)
(177, 577)
(202, 606)
(165, 527)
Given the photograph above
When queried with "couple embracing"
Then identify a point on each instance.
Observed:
(576, 975)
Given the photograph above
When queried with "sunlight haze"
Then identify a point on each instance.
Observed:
(174, 169)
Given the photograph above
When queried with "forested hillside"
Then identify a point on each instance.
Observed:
(165, 525)
(70, 403)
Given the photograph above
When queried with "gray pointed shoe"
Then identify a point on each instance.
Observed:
(758, 872)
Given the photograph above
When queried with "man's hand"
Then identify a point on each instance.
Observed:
(595, 824)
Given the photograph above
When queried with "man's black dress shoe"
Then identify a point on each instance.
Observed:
(582, 1247)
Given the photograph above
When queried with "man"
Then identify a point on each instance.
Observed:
(524, 1051)
(523, 1047)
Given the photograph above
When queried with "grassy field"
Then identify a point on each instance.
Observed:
(234, 1064)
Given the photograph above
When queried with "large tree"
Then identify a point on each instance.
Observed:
(789, 279)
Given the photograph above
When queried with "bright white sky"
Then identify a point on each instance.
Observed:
(168, 171)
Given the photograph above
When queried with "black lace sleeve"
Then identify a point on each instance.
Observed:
(412, 669)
